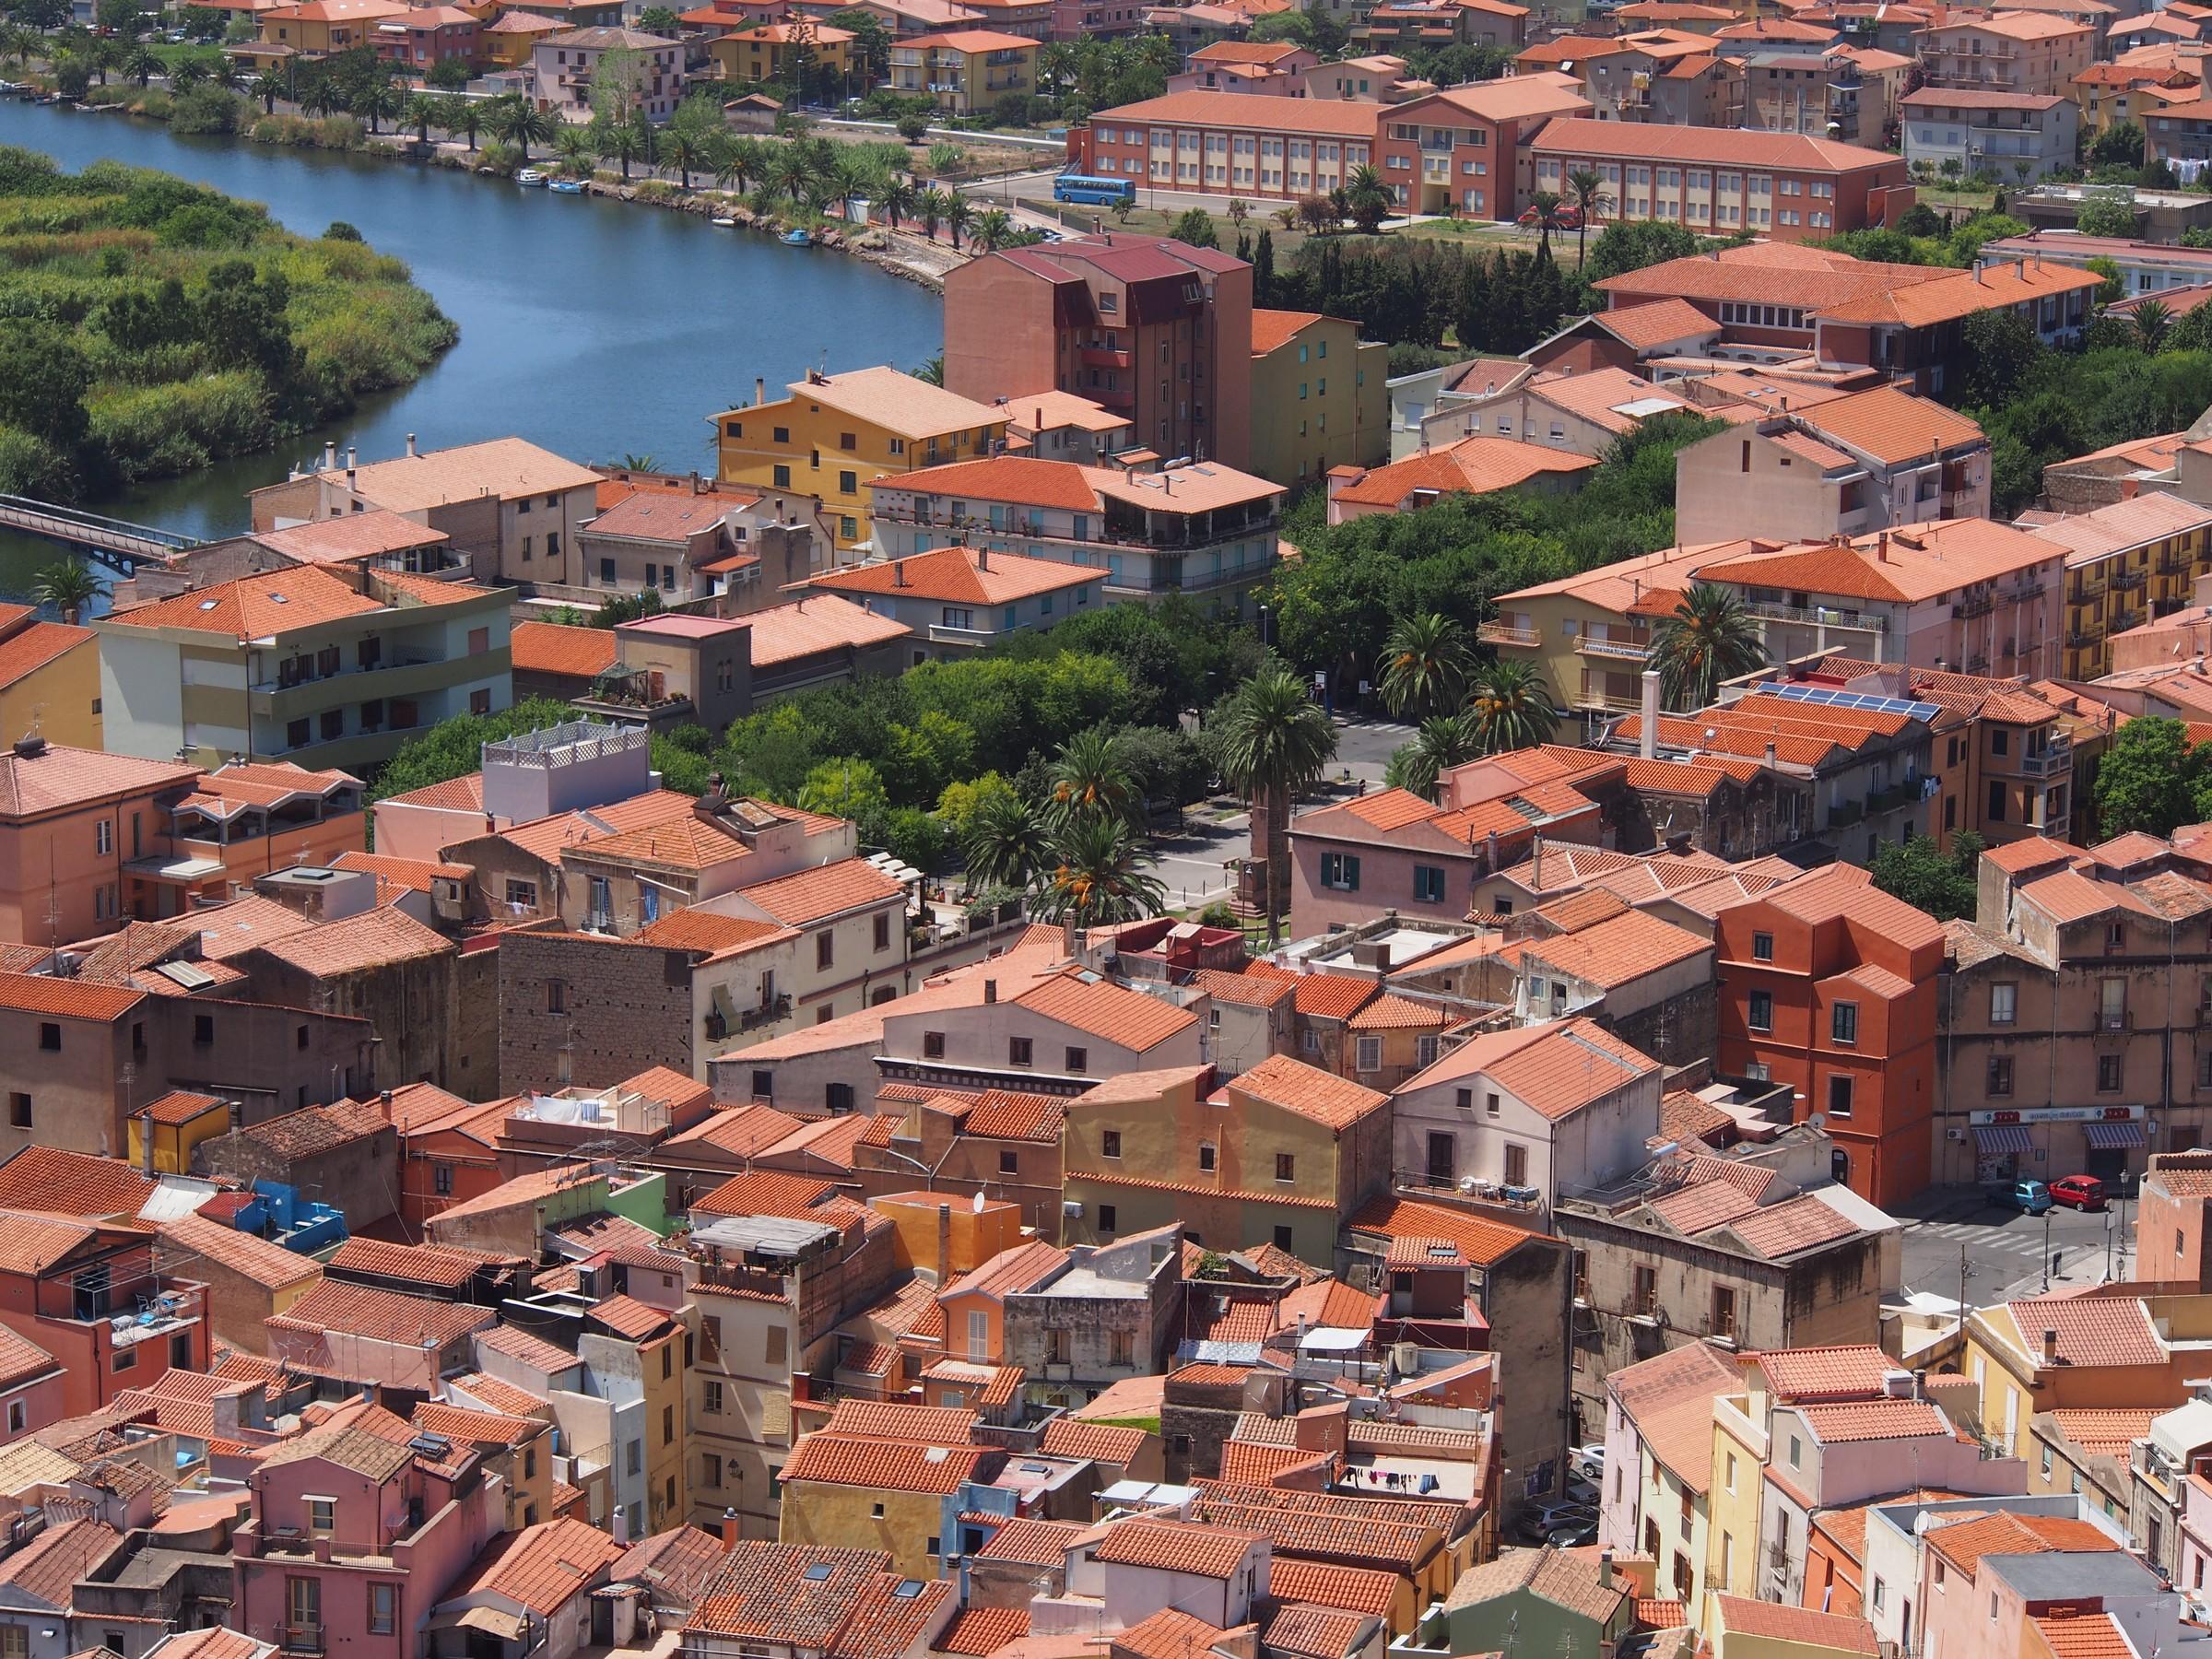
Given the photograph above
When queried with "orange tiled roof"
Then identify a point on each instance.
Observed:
(827, 890)
(72, 1184)
(959, 575)
(1964, 1542)
(1175, 1546)
(1322, 1584)
(2090, 1331)
(1811, 1374)
(1799, 1625)
(979, 1632)
(883, 1465)
(573, 652)
(1325, 1099)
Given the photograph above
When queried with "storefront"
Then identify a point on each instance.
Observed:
(2043, 1143)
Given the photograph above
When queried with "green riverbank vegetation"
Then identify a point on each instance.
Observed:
(149, 326)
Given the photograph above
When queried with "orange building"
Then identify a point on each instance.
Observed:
(449, 1150)
(73, 823)
(1829, 984)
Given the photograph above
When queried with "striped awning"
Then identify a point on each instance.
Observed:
(2003, 1138)
(2113, 1137)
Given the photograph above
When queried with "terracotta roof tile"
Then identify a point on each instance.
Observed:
(1031, 1542)
(980, 1631)
(882, 1465)
(1322, 1584)
(1103, 1442)
(1175, 1546)
(271, 1267)
(959, 575)
(377, 1315)
(358, 944)
(65, 999)
(542, 1567)
(571, 652)
(1875, 1420)
(1170, 1633)
(1965, 1541)
(1309, 1092)
(831, 889)
(72, 1184)
(2091, 1331)
(1797, 1625)
(1112, 1013)
(1794, 1227)
(2083, 1636)
(2106, 1431)
(1483, 1241)
(1812, 1374)
(1333, 995)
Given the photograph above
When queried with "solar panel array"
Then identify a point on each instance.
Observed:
(1835, 697)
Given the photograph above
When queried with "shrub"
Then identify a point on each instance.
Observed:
(207, 109)
(913, 128)
(341, 231)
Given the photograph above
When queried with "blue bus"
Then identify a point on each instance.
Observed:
(1076, 187)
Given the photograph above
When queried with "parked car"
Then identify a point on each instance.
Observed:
(2032, 1196)
(1577, 1536)
(2078, 1191)
(1539, 1521)
(1582, 1491)
(1589, 1462)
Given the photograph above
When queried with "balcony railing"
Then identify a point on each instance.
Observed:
(1505, 633)
(1975, 604)
(2058, 758)
(303, 1639)
(767, 1013)
(2089, 587)
(2123, 580)
(1621, 650)
(1816, 616)
(1603, 700)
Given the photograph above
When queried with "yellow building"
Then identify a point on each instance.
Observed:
(965, 70)
(1732, 1497)
(178, 1121)
(1272, 1156)
(508, 43)
(2126, 564)
(1319, 398)
(836, 434)
(848, 1492)
(1587, 635)
(664, 1364)
(49, 680)
(321, 28)
(2029, 1356)
(765, 53)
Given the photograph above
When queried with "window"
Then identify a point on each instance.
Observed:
(2003, 1002)
(1762, 946)
(1368, 1053)
(667, 1424)
(782, 476)
(1427, 885)
(2112, 1004)
(442, 1180)
(779, 1343)
(1109, 1143)
(1761, 1014)
(522, 894)
(1106, 1217)
(848, 483)
(1018, 1051)
(825, 950)
(202, 1029)
(2108, 1073)
(49, 1035)
(933, 1045)
(1839, 1097)
(1516, 1164)
(1079, 1059)
(1286, 1167)
(710, 1399)
(1881, 1591)
(322, 1515)
(1843, 1022)
(1009, 1163)
(883, 933)
(19, 1110)
(103, 836)
(557, 996)
(2000, 1074)
(1341, 871)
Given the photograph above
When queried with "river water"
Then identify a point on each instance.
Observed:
(594, 327)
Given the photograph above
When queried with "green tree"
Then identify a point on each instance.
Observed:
(1620, 249)
(268, 86)
(1920, 873)
(1098, 875)
(1443, 742)
(1005, 841)
(958, 803)
(522, 124)
(661, 20)
(2150, 779)
(848, 789)
(2153, 322)
(1708, 638)
(68, 585)
(1587, 195)
(1999, 350)
(1090, 778)
(1510, 708)
(1427, 663)
(43, 379)
(124, 18)
(2107, 215)
(617, 141)
(2119, 145)
(422, 110)
(1194, 228)
(959, 213)
(897, 200)
(450, 75)
(1275, 744)
(465, 116)
(994, 228)
(691, 142)
(453, 749)
(2113, 289)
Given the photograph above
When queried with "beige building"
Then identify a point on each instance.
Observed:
(510, 509)
(2125, 563)
(2008, 51)
(1583, 414)
(1320, 397)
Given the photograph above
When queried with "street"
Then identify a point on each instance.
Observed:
(2004, 1257)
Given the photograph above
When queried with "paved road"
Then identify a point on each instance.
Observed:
(2005, 1252)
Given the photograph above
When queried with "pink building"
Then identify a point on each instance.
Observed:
(1990, 1582)
(425, 36)
(357, 1534)
(71, 822)
(64, 1279)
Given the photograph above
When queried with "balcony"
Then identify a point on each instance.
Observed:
(2056, 758)
(1816, 618)
(2125, 580)
(946, 633)
(1626, 651)
(2175, 563)
(1600, 699)
(1100, 357)
(1977, 605)
(303, 1639)
(1504, 633)
(2086, 588)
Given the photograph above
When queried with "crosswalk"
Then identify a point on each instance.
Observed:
(1988, 1240)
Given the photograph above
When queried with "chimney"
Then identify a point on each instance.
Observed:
(383, 1099)
(2050, 1346)
(1648, 740)
(1067, 938)
(990, 991)
(730, 1537)
(1038, 426)
(1920, 1383)
(1605, 1569)
(1535, 860)
(759, 391)
(983, 558)
(410, 446)
(1490, 853)
(1770, 756)
(943, 1244)
(898, 572)
(330, 456)
(145, 1143)
(352, 455)
(238, 1116)
(1979, 277)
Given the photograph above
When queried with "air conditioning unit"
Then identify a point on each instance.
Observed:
(1071, 1208)
(1954, 1134)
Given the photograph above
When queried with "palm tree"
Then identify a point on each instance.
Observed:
(379, 103)
(1276, 743)
(1427, 663)
(573, 145)
(688, 148)
(1005, 843)
(421, 110)
(1098, 875)
(1090, 778)
(739, 164)
(790, 173)
(320, 98)
(1443, 741)
(929, 208)
(68, 585)
(1366, 198)
(268, 86)
(2153, 324)
(1710, 638)
(1055, 65)
(519, 122)
(15, 41)
(1239, 211)
(228, 73)
(844, 178)
(617, 141)
(1587, 192)
(142, 65)
(994, 229)
(1510, 710)
(186, 74)
(897, 200)
(959, 213)
(465, 116)
(1543, 212)
(632, 461)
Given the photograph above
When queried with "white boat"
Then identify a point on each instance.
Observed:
(529, 177)
(728, 224)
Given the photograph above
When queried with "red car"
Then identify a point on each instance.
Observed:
(2078, 1191)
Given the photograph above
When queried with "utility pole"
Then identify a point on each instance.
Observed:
(2048, 1260)
(1963, 1271)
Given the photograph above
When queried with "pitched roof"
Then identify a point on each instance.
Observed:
(542, 1567)
(829, 889)
(1325, 1583)
(1474, 466)
(1109, 1012)
(1334, 1102)
(959, 575)
(1964, 1541)
(1798, 1625)
(2098, 1331)
(45, 1569)
(571, 652)
(1325, 118)
(896, 402)
(1481, 1239)
(357, 944)
(883, 1465)
(57, 777)
(1566, 1581)
(1726, 147)
(809, 626)
(1556, 1068)
(379, 1315)
(271, 1267)
(72, 1184)
(1207, 1551)
(1810, 1374)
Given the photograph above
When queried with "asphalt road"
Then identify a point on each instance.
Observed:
(2005, 1252)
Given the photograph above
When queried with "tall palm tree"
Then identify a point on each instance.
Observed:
(2153, 324)
(929, 208)
(1277, 742)
(897, 200)
(522, 124)
(1098, 875)
(465, 116)
(228, 71)
(617, 141)
(1587, 194)
(573, 145)
(1006, 843)
(1710, 638)
(959, 213)
(379, 103)
(186, 74)
(142, 65)
(790, 173)
(1091, 780)
(68, 584)
(994, 229)
(844, 178)
(268, 86)
(1511, 708)
(320, 98)
(1443, 741)
(1427, 661)
(421, 110)
(688, 148)
(1366, 198)
(1543, 213)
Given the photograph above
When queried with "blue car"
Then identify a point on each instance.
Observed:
(2032, 1196)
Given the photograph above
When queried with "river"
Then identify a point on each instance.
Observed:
(594, 327)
